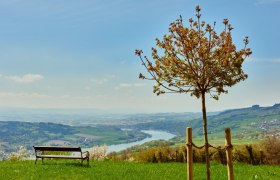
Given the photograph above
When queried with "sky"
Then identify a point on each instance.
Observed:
(68, 54)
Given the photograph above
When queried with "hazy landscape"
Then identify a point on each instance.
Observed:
(87, 129)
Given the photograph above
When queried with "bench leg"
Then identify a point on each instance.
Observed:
(42, 160)
(82, 160)
(36, 161)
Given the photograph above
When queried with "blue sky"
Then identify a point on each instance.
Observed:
(80, 54)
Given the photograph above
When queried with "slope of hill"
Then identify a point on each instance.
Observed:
(247, 123)
(251, 123)
(14, 134)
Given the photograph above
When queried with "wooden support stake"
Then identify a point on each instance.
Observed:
(229, 154)
(190, 154)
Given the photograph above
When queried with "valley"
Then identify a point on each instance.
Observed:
(86, 130)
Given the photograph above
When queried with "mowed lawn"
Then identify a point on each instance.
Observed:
(53, 169)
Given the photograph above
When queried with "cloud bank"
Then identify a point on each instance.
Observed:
(27, 78)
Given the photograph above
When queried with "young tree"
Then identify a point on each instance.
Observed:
(196, 60)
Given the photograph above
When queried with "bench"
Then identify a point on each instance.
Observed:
(39, 153)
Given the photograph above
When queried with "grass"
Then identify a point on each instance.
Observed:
(107, 170)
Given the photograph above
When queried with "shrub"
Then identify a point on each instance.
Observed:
(147, 155)
(161, 154)
(268, 152)
(3, 156)
(98, 152)
(249, 154)
(271, 147)
(21, 154)
(219, 156)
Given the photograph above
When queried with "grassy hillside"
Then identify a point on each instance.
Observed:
(13, 134)
(246, 123)
(125, 170)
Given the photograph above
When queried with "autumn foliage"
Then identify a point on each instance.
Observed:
(195, 59)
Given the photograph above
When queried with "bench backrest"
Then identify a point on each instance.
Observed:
(56, 148)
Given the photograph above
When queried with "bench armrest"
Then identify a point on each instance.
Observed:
(87, 153)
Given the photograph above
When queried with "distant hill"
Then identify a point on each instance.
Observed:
(14, 134)
(252, 122)
(87, 130)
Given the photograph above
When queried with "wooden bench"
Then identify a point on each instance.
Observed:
(39, 153)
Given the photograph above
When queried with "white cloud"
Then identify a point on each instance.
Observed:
(131, 85)
(74, 97)
(103, 80)
(27, 78)
(40, 100)
(36, 96)
(99, 81)
(127, 85)
(87, 88)
(23, 95)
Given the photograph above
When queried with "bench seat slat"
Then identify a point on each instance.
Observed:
(59, 156)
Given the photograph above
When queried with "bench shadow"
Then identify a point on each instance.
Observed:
(63, 163)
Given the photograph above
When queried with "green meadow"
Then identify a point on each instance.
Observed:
(68, 169)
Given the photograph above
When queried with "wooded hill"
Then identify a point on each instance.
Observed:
(252, 123)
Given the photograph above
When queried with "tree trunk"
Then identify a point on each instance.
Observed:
(205, 137)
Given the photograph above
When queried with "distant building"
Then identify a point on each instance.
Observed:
(256, 106)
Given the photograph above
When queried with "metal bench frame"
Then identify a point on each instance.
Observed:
(83, 155)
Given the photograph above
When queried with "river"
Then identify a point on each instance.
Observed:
(155, 135)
